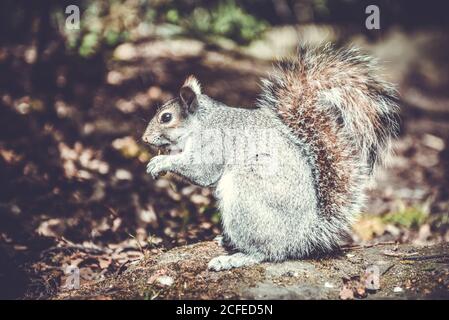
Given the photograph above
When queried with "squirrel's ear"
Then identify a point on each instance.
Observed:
(189, 92)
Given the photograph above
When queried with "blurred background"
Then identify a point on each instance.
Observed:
(74, 104)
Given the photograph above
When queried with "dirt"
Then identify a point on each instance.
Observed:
(419, 273)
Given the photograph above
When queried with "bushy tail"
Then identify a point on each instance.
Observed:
(328, 88)
(343, 117)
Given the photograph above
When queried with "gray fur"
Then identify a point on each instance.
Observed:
(266, 185)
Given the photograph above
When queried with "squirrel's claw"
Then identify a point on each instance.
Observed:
(156, 166)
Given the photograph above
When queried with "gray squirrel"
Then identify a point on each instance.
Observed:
(289, 174)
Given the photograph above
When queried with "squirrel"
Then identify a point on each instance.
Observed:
(289, 174)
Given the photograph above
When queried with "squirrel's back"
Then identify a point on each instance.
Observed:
(342, 114)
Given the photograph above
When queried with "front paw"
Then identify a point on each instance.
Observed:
(158, 165)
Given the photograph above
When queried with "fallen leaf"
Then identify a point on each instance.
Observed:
(104, 262)
(346, 293)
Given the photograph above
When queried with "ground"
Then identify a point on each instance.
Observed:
(405, 272)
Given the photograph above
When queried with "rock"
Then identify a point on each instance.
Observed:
(165, 280)
(185, 275)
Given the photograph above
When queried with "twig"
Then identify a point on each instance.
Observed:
(73, 247)
(356, 247)
(388, 269)
(122, 266)
(398, 254)
(420, 258)
(68, 245)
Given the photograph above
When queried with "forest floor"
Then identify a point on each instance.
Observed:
(375, 272)
(75, 192)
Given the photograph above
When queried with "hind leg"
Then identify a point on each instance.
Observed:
(235, 260)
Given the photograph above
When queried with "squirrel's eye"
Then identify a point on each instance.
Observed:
(166, 117)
